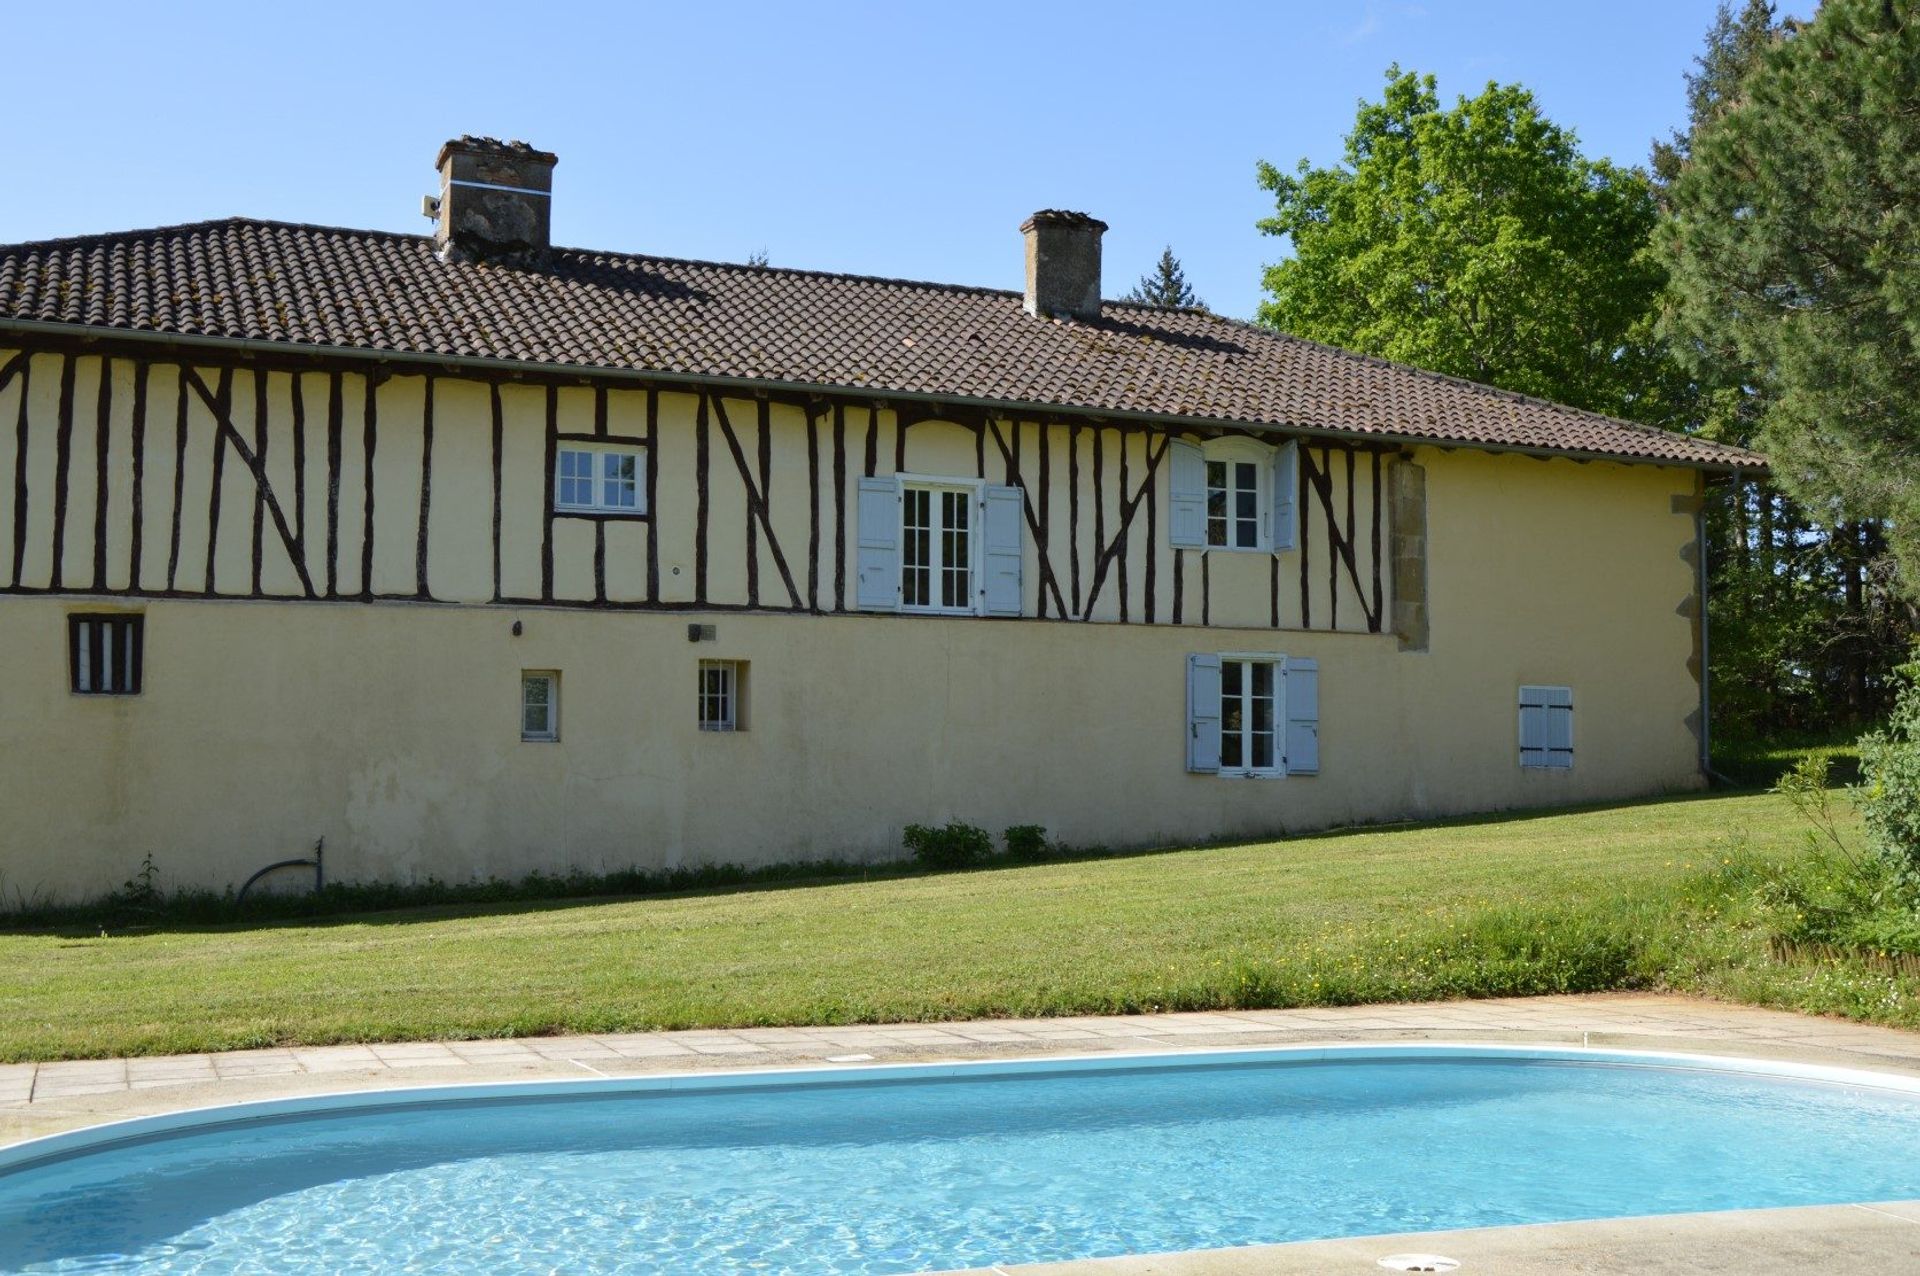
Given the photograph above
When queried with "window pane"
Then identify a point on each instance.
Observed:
(620, 487)
(576, 478)
(83, 659)
(1263, 679)
(107, 682)
(955, 548)
(1262, 750)
(916, 582)
(1230, 754)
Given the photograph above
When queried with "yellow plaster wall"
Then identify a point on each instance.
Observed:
(391, 729)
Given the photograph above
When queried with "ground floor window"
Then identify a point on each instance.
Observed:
(722, 695)
(1546, 727)
(1247, 716)
(540, 705)
(1251, 714)
(104, 654)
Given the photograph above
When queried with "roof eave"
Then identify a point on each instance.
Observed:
(482, 363)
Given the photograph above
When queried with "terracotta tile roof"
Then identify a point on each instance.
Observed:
(377, 292)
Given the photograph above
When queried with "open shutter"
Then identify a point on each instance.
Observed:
(1187, 496)
(1286, 484)
(1303, 716)
(1000, 565)
(1203, 713)
(1546, 727)
(878, 585)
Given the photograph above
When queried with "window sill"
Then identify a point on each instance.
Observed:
(588, 511)
(1251, 775)
(938, 611)
(1237, 549)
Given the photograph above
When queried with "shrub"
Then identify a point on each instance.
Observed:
(953, 846)
(1889, 791)
(1026, 841)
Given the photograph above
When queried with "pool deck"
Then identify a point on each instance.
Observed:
(40, 1099)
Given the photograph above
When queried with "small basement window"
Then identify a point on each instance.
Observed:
(104, 654)
(1546, 727)
(723, 685)
(540, 705)
(598, 479)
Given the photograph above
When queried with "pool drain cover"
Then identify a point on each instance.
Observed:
(1419, 1263)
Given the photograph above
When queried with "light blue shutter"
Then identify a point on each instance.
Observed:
(1203, 713)
(1303, 716)
(1000, 563)
(1546, 727)
(1286, 482)
(878, 584)
(1187, 496)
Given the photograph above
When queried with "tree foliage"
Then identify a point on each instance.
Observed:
(1794, 249)
(1807, 624)
(1477, 240)
(1166, 285)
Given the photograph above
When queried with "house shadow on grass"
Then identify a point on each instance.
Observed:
(433, 901)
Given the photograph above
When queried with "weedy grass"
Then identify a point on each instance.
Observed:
(1672, 893)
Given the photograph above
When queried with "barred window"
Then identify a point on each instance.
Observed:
(722, 685)
(104, 654)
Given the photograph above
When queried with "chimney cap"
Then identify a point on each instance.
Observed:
(470, 144)
(1062, 217)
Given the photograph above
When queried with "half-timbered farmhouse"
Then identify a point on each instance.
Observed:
(475, 556)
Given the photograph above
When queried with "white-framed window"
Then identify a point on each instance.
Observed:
(1546, 728)
(939, 545)
(1253, 714)
(599, 478)
(105, 653)
(540, 705)
(723, 695)
(1249, 697)
(1239, 500)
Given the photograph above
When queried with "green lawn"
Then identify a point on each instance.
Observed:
(1632, 896)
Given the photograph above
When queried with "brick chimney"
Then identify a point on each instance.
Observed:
(495, 201)
(1063, 264)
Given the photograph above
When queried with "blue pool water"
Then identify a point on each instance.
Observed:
(893, 1174)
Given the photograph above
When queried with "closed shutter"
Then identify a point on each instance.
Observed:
(1187, 496)
(1286, 482)
(878, 563)
(1000, 565)
(1546, 727)
(1203, 713)
(1303, 716)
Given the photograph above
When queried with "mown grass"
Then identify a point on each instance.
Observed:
(1658, 894)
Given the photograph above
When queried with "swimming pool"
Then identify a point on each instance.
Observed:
(916, 1168)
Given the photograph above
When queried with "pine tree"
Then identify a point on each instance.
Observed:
(1807, 625)
(1166, 286)
(1794, 250)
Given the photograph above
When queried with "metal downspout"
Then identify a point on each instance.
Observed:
(1706, 663)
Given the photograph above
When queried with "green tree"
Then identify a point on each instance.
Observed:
(1477, 241)
(1794, 249)
(1165, 285)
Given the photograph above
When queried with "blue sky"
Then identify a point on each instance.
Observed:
(890, 139)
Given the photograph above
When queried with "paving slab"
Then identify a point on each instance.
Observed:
(1834, 1240)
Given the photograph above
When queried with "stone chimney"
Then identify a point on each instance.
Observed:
(495, 201)
(1063, 264)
